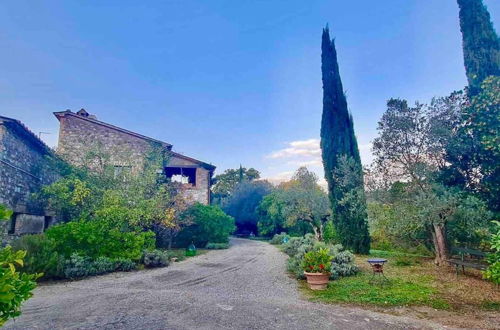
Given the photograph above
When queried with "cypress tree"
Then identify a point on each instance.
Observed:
(480, 43)
(338, 141)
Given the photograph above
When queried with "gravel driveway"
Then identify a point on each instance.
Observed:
(244, 287)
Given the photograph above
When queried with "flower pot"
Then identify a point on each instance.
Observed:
(317, 281)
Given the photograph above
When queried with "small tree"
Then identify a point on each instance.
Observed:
(298, 201)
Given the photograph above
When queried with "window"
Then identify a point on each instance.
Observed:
(184, 175)
(122, 171)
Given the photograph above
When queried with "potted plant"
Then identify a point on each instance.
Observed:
(317, 265)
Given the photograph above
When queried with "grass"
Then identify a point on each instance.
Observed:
(413, 281)
(399, 291)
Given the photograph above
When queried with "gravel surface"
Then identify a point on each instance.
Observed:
(244, 287)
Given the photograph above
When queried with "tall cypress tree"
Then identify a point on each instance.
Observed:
(338, 142)
(480, 43)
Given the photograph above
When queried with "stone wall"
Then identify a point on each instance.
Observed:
(24, 168)
(78, 137)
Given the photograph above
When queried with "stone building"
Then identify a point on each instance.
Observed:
(25, 166)
(81, 132)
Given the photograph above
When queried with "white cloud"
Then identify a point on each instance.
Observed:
(299, 148)
(305, 153)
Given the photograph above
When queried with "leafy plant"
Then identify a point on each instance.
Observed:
(125, 265)
(209, 224)
(278, 239)
(97, 238)
(103, 265)
(155, 258)
(15, 287)
(318, 261)
(493, 271)
(217, 246)
(41, 256)
(78, 266)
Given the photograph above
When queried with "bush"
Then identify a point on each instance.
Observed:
(78, 266)
(278, 238)
(493, 271)
(342, 263)
(124, 265)
(209, 224)
(15, 287)
(103, 265)
(155, 258)
(217, 246)
(41, 256)
(98, 238)
(292, 246)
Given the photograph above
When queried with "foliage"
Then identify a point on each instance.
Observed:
(41, 256)
(155, 258)
(243, 203)
(317, 261)
(412, 141)
(223, 184)
(298, 201)
(103, 265)
(481, 123)
(15, 287)
(481, 44)
(342, 263)
(294, 243)
(493, 271)
(350, 206)
(77, 266)
(330, 234)
(124, 264)
(338, 141)
(209, 224)
(69, 197)
(217, 246)
(5, 213)
(98, 238)
(279, 238)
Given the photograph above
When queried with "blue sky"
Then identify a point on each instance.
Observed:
(227, 82)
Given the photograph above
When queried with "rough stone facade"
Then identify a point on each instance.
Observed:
(24, 169)
(80, 133)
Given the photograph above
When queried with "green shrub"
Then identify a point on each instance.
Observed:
(41, 256)
(343, 262)
(278, 238)
(217, 246)
(98, 238)
(155, 258)
(493, 271)
(125, 265)
(209, 224)
(78, 266)
(15, 287)
(294, 243)
(103, 265)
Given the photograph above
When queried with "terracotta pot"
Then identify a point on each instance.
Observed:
(317, 281)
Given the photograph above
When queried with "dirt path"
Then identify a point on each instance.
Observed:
(245, 287)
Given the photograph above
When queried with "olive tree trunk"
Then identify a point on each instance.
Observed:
(440, 246)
